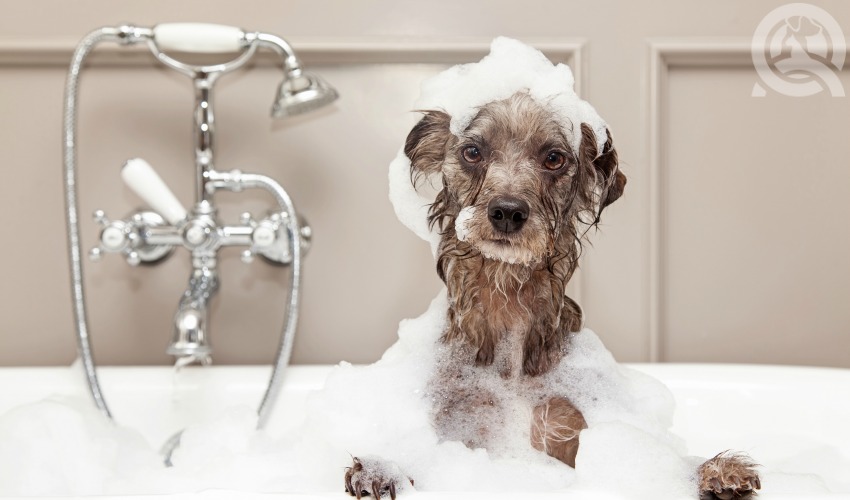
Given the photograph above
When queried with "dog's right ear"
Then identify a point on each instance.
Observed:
(426, 143)
(606, 166)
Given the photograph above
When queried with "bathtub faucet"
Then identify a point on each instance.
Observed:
(149, 236)
(146, 237)
(190, 337)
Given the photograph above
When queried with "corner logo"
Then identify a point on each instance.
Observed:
(798, 50)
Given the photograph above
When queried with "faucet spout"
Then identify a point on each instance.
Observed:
(191, 339)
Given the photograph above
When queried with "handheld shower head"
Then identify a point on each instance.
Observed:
(301, 92)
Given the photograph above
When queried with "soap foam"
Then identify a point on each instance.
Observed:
(462, 221)
(511, 67)
(63, 446)
(386, 413)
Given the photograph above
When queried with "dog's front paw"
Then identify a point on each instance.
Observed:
(373, 476)
(728, 476)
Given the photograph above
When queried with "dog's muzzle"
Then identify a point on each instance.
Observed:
(507, 214)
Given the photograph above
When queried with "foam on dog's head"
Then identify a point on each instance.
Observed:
(510, 67)
(461, 90)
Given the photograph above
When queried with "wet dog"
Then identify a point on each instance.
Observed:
(516, 203)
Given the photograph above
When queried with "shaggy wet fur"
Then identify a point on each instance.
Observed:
(506, 278)
(496, 280)
(728, 476)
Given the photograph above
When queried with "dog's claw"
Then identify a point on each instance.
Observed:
(715, 485)
(349, 488)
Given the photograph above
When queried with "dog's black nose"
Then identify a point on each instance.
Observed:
(507, 215)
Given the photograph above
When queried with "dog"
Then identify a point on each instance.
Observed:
(516, 203)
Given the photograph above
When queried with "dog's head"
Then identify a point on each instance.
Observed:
(512, 186)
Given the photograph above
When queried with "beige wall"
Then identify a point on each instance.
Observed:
(730, 244)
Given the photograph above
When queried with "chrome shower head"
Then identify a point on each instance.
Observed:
(301, 92)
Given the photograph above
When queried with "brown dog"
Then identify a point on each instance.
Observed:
(515, 204)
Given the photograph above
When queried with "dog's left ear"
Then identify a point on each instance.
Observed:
(611, 181)
(426, 143)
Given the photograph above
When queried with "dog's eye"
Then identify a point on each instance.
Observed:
(471, 154)
(554, 160)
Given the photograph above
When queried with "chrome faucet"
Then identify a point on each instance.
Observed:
(190, 322)
(150, 236)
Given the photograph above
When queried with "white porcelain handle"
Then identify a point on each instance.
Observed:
(198, 37)
(145, 182)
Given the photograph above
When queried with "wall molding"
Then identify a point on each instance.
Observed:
(663, 55)
(57, 52)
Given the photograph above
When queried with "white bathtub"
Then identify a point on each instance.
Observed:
(786, 417)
